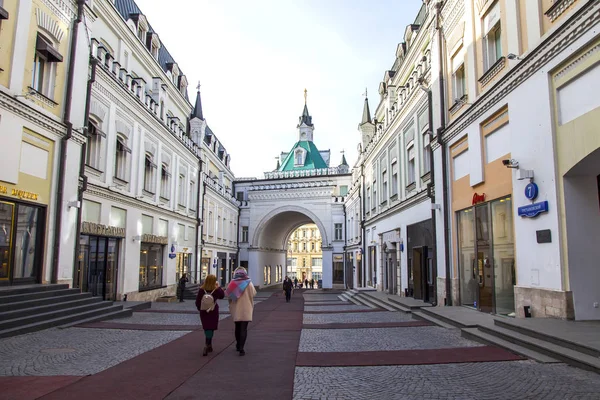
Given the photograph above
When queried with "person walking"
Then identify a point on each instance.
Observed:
(240, 293)
(182, 283)
(296, 283)
(312, 283)
(287, 289)
(206, 303)
(306, 283)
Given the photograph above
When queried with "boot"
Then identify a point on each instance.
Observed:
(205, 351)
(209, 345)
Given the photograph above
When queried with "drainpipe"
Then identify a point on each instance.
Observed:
(62, 154)
(237, 257)
(362, 221)
(440, 132)
(198, 222)
(345, 244)
(82, 188)
(202, 224)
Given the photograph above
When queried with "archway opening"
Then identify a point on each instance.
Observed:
(305, 257)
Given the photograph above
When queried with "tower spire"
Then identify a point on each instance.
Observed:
(366, 117)
(197, 113)
(305, 95)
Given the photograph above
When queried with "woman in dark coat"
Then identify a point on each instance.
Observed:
(209, 319)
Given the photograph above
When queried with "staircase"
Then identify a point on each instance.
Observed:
(191, 291)
(37, 307)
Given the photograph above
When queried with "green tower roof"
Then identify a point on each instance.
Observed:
(313, 159)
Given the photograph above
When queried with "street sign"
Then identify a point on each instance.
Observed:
(533, 210)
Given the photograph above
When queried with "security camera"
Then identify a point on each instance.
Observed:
(512, 56)
(512, 163)
(505, 162)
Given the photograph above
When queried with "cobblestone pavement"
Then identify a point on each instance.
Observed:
(162, 319)
(368, 339)
(384, 316)
(473, 381)
(75, 351)
(336, 307)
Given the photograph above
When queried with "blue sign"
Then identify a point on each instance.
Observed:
(172, 256)
(533, 210)
(531, 191)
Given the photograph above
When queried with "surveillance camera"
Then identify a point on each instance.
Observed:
(506, 162)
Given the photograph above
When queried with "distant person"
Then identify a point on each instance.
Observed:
(296, 283)
(312, 283)
(306, 283)
(206, 303)
(241, 292)
(182, 282)
(287, 289)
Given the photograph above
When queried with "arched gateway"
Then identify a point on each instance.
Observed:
(302, 189)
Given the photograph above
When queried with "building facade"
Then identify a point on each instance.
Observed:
(41, 118)
(304, 258)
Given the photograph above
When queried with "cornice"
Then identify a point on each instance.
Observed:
(119, 198)
(451, 14)
(408, 203)
(569, 31)
(301, 194)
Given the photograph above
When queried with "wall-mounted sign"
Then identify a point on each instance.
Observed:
(478, 198)
(543, 236)
(21, 194)
(533, 210)
(531, 191)
(147, 238)
(172, 253)
(91, 228)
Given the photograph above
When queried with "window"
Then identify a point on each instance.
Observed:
(459, 84)
(492, 47)
(304, 233)
(181, 199)
(338, 232)
(193, 195)
(303, 246)
(44, 66)
(409, 137)
(239, 196)
(368, 198)
(384, 186)
(165, 184)
(151, 266)
(343, 190)
(424, 128)
(299, 159)
(394, 178)
(244, 234)
(94, 145)
(122, 154)
(149, 174)
(312, 246)
(141, 34)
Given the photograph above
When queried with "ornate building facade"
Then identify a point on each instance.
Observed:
(305, 259)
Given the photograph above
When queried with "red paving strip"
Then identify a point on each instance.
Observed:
(139, 327)
(343, 311)
(331, 303)
(177, 369)
(149, 310)
(32, 387)
(370, 325)
(406, 357)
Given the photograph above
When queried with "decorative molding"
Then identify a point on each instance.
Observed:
(287, 195)
(566, 34)
(558, 8)
(451, 14)
(291, 185)
(65, 10)
(493, 71)
(573, 64)
(408, 203)
(98, 110)
(123, 128)
(48, 23)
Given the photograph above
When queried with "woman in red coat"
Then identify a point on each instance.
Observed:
(209, 318)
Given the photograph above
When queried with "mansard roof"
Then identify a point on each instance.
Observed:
(313, 159)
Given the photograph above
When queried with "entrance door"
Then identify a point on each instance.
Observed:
(484, 265)
(98, 266)
(417, 272)
(392, 272)
(6, 230)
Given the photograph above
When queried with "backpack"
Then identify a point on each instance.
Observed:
(208, 302)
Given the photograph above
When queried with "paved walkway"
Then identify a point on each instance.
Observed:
(315, 347)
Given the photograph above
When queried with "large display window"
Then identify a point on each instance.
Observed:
(151, 266)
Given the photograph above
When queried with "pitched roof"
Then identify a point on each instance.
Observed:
(366, 117)
(344, 160)
(305, 118)
(197, 111)
(313, 159)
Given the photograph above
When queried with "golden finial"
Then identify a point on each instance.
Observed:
(305, 94)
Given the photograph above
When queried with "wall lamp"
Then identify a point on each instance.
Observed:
(74, 204)
(436, 206)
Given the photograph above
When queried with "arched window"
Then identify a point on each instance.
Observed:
(299, 157)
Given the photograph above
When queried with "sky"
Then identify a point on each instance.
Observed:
(255, 58)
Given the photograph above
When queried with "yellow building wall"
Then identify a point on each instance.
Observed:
(547, 24)
(576, 139)
(61, 67)
(306, 257)
(7, 39)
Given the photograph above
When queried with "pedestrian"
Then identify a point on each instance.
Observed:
(182, 283)
(296, 283)
(306, 283)
(206, 303)
(312, 283)
(287, 289)
(241, 292)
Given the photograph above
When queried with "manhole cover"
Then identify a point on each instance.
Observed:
(58, 351)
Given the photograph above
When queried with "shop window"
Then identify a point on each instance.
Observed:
(338, 232)
(151, 266)
(245, 235)
(122, 155)
(149, 174)
(492, 47)
(45, 62)
(165, 182)
(94, 146)
(338, 268)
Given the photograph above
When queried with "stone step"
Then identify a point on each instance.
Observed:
(344, 297)
(406, 306)
(123, 313)
(50, 315)
(63, 320)
(14, 290)
(36, 295)
(379, 302)
(426, 317)
(564, 354)
(365, 301)
(41, 302)
(401, 306)
(449, 321)
(538, 334)
(24, 312)
(486, 338)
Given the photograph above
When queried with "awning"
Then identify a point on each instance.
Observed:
(45, 49)
(122, 146)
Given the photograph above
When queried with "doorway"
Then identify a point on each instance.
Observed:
(21, 242)
(392, 270)
(98, 266)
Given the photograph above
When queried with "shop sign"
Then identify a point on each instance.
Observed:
(147, 238)
(533, 210)
(172, 254)
(91, 228)
(478, 198)
(21, 194)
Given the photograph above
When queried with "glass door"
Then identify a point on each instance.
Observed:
(26, 238)
(6, 230)
(98, 266)
(112, 255)
(485, 273)
(504, 256)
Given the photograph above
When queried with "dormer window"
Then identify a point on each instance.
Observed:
(299, 157)
(142, 26)
(153, 44)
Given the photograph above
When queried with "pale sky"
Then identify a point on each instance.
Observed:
(254, 58)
